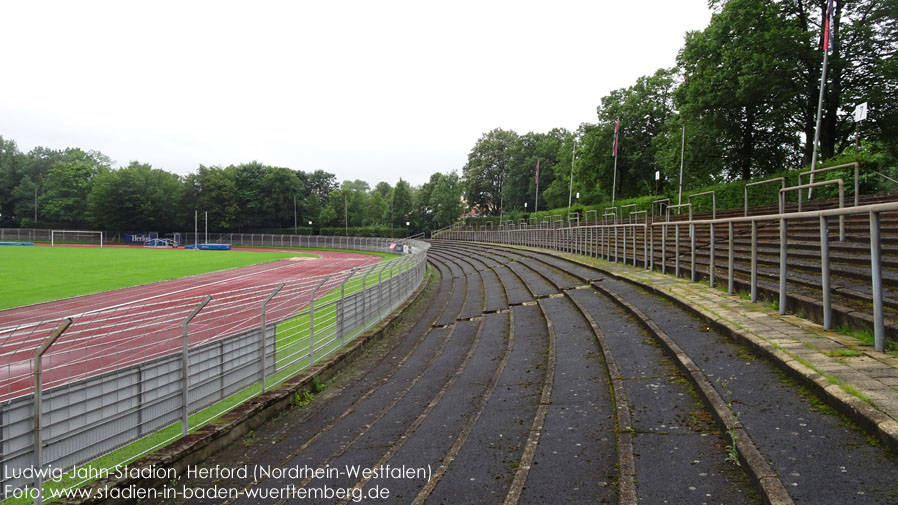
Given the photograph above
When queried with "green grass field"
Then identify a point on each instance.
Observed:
(33, 274)
(39, 274)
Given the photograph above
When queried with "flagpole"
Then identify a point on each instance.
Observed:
(828, 43)
(614, 181)
(614, 177)
(536, 197)
(682, 159)
(819, 119)
(570, 190)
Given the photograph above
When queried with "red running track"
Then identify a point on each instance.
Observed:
(203, 284)
(118, 328)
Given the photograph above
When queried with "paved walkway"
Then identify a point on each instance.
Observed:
(863, 383)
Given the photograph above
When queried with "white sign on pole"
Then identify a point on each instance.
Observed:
(860, 112)
(657, 175)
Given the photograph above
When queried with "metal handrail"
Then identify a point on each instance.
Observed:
(622, 207)
(814, 185)
(713, 201)
(813, 171)
(586, 215)
(550, 239)
(679, 206)
(766, 181)
(660, 202)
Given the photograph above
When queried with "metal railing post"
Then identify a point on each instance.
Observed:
(730, 260)
(825, 275)
(876, 270)
(365, 296)
(341, 309)
(38, 401)
(645, 245)
(677, 250)
(390, 281)
(663, 248)
(262, 333)
(754, 261)
(624, 232)
(692, 251)
(650, 259)
(380, 290)
(783, 258)
(185, 366)
(711, 267)
(312, 321)
(615, 244)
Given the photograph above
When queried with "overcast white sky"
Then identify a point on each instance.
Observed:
(372, 90)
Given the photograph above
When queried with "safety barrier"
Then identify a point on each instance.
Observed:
(603, 241)
(120, 383)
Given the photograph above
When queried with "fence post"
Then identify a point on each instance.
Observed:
(824, 274)
(648, 245)
(262, 333)
(185, 366)
(341, 309)
(38, 400)
(754, 261)
(876, 267)
(692, 251)
(312, 321)
(730, 259)
(783, 254)
(711, 267)
(380, 290)
(624, 232)
(677, 250)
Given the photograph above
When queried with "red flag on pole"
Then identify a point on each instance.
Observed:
(828, 26)
(537, 172)
(616, 125)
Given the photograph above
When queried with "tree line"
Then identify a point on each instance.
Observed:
(73, 188)
(742, 97)
(744, 91)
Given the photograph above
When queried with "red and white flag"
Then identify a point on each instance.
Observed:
(828, 26)
(616, 125)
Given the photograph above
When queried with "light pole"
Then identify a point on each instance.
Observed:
(407, 223)
(294, 214)
(310, 228)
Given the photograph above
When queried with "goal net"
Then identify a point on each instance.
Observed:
(78, 237)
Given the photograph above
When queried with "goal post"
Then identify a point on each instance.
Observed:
(85, 237)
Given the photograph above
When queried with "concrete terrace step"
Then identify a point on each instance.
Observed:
(847, 370)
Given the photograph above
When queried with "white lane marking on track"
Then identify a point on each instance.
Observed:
(143, 300)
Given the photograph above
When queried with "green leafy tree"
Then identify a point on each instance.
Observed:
(212, 190)
(488, 166)
(68, 184)
(251, 197)
(445, 200)
(642, 109)
(11, 175)
(135, 198)
(520, 184)
(402, 206)
(280, 190)
(378, 210)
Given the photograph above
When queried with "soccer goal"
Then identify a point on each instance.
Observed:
(79, 237)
